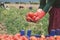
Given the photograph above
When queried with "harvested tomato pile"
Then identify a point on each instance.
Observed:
(12, 37)
(22, 36)
(19, 37)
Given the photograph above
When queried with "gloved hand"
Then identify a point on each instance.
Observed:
(34, 17)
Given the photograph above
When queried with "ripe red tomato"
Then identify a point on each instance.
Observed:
(36, 14)
(57, 37)
(11, 37)
(30, 14)
(16, 37)
(24, 38)
(51, 38)
(42, 37)
(5, 37)
(28, 19)
(34, 17)
(1, 36)
(33, 38)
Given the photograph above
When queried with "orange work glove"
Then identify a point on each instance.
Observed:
(34, 17)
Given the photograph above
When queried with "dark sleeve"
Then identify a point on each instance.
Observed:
(48, 5)
(42, 4)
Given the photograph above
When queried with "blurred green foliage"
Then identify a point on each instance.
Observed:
(14, 20)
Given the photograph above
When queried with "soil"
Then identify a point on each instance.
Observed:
(24, 5)
(3, 29)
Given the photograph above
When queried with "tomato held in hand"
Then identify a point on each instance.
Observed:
(30, 14)
(30, 17)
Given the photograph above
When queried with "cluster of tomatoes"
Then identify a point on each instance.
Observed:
(30, 17)
(12, 37)
(34, 17)
(19, 37)
(45, 38)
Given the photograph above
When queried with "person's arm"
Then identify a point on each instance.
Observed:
(48, 5)
(43, 9)
(42, 4)
(40, 13)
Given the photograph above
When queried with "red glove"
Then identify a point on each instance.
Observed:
(34, 17)
(39, 14)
